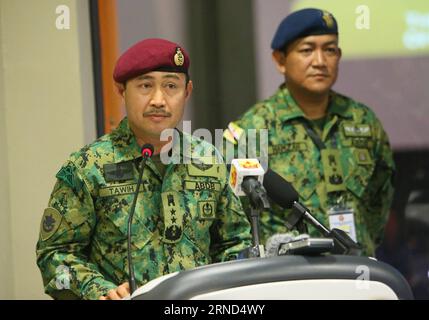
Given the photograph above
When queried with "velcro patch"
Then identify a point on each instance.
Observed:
(356, 130)
(118, 171)
(51, 221)
(121, 189)
(282, 148)
(206, 209)
(202, 185)
(362, 156)
(173, 217)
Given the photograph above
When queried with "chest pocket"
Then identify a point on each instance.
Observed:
(201, 197)
(114, 210)
(296, 164)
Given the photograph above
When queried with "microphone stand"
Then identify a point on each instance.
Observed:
(258, 202)
(343, 244)
(147, 151)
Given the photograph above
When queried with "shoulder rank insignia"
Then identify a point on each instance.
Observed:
(173, 217)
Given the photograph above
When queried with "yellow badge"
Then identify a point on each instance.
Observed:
(327, 17)
(179, 58)
(235, 130)
(229, 137)
(51, 221)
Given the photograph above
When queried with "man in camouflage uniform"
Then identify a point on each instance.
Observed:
(186, 215)
(331, 148)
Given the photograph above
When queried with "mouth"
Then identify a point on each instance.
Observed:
(319, 75)
(156, 117)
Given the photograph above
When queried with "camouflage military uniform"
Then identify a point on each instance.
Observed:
(185, 219)
(364, 154)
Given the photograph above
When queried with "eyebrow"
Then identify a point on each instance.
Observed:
(323, 44)
(149, 77)
(144, 77)
(171, 75)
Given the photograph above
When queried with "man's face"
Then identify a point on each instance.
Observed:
(310, 64)
(155, 101)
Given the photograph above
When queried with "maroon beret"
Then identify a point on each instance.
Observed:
(151, 55)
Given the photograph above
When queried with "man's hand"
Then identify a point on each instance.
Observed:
(117, 294)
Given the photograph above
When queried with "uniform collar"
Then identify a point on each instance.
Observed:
(338, 105)
(126, 147)
(287, 108)
(124, 143)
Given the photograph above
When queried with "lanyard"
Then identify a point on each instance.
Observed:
(314, 137)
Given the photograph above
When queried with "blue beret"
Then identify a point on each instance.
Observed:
(151, 55)
(303, 23)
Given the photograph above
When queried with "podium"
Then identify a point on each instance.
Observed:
(282, 278)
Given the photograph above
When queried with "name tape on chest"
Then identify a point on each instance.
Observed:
(282, 148)
(201, 185)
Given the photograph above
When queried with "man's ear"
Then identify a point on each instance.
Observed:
(279, 59)
(120, 87)
(189, 88)
(340, 53)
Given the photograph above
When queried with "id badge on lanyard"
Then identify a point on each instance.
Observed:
(343, 219)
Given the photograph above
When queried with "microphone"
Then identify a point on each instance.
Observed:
(289, 244)
(285, 195)
(274, 242)
(245, 178)
(147, 152)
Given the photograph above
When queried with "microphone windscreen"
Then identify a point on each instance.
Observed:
(147, 150)
(279, 190)
(275, 241)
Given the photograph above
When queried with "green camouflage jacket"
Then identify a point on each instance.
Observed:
(188, 218)
(364, 154)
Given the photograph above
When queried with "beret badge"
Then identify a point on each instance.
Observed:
(179, 59)
(327, 17)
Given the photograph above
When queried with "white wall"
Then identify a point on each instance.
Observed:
(46, 112)
(6, 287)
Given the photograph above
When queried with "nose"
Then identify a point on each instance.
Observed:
(157, 99)
(319, 59)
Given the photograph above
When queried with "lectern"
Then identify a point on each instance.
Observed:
(282, 277)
